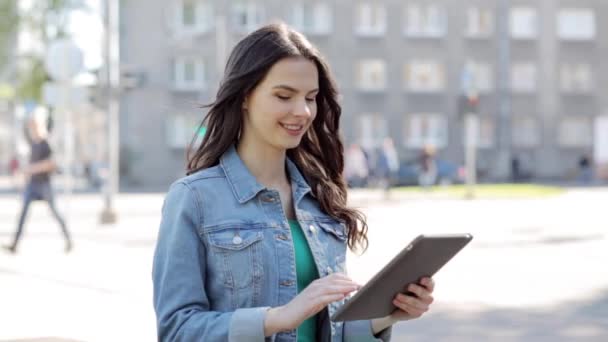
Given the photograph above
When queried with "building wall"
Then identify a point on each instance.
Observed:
(149, 45)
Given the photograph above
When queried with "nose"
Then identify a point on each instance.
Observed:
(303, 109)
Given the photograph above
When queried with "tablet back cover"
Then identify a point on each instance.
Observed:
(424, 256)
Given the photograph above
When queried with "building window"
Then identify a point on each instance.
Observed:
(480, 23)
(370, 19)
(181, 129)
(425, 21)
(576, 24)
(372, 129)
(576, 78)
(478, 77)
(524, 23)
(312, 18)
(423, 129)
(247, 16)
(194, 17)
(424, 76)
(523, 77)
(575, 132)
(524, 132)
(188, 74)
(371, 75)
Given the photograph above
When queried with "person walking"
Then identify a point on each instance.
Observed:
(38, 174)
(252, 242)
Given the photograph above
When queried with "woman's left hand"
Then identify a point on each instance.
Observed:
(416, 303)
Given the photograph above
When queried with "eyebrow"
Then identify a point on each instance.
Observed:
(286, 87)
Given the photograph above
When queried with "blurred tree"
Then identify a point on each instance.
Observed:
(8, 31)
(44, 20)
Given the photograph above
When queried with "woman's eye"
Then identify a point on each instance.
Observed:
(311, 100)
(284, 98)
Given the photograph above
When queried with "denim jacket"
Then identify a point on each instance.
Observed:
(225, 255)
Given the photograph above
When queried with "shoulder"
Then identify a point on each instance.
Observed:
(202, 177)
(194, 184)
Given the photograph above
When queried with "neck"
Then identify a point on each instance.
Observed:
(266, 163)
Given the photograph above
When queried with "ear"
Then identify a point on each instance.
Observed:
(245, 105)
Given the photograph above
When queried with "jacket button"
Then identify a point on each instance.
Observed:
(287, 283)
(237, 240)
(312, 229)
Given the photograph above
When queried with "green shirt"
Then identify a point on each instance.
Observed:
(306, 273)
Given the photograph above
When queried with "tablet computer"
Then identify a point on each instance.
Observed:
(423, 257)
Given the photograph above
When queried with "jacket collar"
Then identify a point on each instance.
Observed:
(244, 185)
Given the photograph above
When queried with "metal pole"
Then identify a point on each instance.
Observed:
(471, 130)
(504, 89)
(108, 214)
(221, 44)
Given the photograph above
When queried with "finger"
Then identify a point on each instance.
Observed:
(429, 283)
(338, 276)
(421, 292)
(331, 282)
(411, 301)
(330, 298)
(335, 281)
(331, 289)
(409, 309)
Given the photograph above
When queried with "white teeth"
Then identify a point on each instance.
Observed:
(292, 127)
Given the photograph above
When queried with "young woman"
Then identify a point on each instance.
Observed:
(252, 242)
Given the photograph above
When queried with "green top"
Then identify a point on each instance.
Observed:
(306, 273)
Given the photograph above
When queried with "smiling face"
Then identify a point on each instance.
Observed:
(279, 111)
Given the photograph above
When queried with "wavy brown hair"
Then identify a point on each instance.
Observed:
(319, 156)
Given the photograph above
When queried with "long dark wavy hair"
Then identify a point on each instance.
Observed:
(319, 156)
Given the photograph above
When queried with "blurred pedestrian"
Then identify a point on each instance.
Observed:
(388, 165)
(38, 174)
(13, 168)
(252, 244)
(427, 174)
(585, 170)
(355, 166)
(515, 170)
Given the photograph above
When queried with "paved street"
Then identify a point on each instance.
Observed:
(534, 272)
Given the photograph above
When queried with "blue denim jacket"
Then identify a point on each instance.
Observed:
(225, 255)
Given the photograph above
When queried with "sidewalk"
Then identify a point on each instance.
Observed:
(532, 272)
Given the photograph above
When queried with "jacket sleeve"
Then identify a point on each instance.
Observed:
(179, 274)
(360, 331)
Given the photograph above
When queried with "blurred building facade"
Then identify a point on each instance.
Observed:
(536, 65)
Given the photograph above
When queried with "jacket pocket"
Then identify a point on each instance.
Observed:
(238, 255)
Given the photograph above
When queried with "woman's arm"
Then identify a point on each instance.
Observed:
(179, 274)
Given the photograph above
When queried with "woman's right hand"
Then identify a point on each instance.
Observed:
(308, 303)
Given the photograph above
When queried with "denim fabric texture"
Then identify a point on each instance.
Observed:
(225, 254)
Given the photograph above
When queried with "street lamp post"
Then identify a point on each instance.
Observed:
(504, 98)
(471, 127)
(112, 54)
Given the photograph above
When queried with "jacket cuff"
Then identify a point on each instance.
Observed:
(362, 331)
(247, 325)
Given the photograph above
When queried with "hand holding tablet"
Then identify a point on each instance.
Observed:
(412, 267)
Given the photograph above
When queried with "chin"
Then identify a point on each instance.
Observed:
(288, 145)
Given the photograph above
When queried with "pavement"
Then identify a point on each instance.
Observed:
(535, 270)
